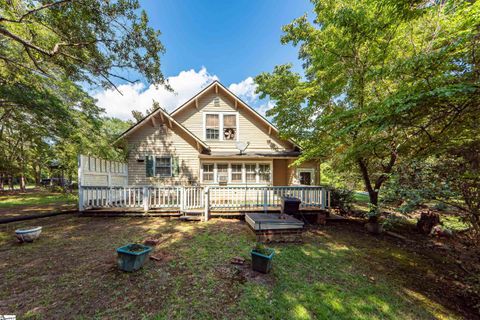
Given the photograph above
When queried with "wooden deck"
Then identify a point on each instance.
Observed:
(177, 212)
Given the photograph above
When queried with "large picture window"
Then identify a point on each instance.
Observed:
(163, 166)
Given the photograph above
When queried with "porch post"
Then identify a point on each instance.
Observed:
(265, 199)
(79, 183)
(206, 203)
(324, 198)
(145, 199)
(182, 199)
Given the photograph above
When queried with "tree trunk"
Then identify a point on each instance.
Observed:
(373, 196)
(38, 174)
(10, 182)
(22, 182)
(1, 181)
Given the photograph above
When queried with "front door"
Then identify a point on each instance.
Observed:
(305, 177)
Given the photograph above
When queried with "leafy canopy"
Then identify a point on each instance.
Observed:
(381, 81)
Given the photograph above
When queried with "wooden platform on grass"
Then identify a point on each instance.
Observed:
(272, 221)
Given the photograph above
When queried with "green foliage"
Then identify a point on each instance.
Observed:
(88, 40)
(332, 176)
(50, 52)
(341, 199)
(260, 248)
(392, 221)
(383, 82)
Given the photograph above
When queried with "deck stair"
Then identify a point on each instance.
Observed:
(191, 215)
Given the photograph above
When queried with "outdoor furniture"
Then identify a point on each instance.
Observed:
(290, 205)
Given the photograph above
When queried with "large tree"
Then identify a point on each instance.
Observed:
(49, 52)
(370, 68)
(84, 40)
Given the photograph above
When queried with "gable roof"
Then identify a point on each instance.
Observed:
(237, 99)
(167, 119)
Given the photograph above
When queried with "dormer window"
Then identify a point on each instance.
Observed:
(221, 126)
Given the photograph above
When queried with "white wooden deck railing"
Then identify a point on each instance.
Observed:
(214, 198)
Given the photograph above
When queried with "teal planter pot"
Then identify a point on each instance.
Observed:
(132, 256)
(262, 262)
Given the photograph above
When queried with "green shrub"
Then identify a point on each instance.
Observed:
(341, 199)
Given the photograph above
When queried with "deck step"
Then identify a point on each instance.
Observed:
(190, 218)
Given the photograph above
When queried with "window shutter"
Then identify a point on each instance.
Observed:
(149, 166)
(175, 167)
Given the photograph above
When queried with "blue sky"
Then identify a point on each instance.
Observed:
(205, 40)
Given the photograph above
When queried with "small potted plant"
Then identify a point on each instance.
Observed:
(132, 256)
(262, 258)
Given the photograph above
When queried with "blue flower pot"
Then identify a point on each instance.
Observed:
(132, 256)
(261, 262)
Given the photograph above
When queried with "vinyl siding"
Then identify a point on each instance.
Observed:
(161, 141)
(249, 127)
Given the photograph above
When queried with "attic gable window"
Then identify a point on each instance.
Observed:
(212, 127)
(221, 126)
(229, 127)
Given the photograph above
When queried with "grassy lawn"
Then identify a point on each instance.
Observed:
(34, 202)
(361, 197)
(337, 273)
(35, 199)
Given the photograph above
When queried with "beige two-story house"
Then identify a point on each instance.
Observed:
(213, 139)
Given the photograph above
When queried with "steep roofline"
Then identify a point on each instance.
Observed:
(234, 96)
(161, 111)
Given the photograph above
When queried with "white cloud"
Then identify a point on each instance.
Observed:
(185, 85)
(245, 90)
(136, 97)
(262, 109)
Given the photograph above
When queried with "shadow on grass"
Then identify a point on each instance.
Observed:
(71, 271)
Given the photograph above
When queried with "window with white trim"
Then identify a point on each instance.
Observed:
(208, 171)
(212, 126)
(163, 166)
(222, 126)
(229, 127)
(251, 172)
(222, 172)
(236, 173)
(264, 172)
